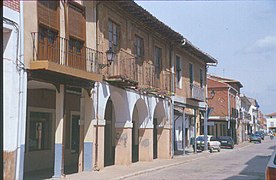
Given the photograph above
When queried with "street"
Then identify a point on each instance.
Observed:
(244, 163)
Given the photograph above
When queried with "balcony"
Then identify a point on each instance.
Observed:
(196, 92)
(145, 77)
(55, 55)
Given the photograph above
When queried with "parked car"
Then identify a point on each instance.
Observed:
(254, 137)
(213, 143)
(270, 173)
(226, 141)
(261, 134)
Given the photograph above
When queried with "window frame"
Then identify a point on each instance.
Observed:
(157, 60)
(140, 47)
(111, 44)
(191, 73)
(201, 77)
(178, 71)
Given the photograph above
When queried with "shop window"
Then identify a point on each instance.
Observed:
(40, 131)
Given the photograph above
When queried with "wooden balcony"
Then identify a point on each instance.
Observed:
(54, 55)
(196, 93)
(126, 71)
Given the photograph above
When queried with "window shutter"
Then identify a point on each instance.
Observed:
(76, 21)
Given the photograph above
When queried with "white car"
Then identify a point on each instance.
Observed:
(270, 173)
(213, 143)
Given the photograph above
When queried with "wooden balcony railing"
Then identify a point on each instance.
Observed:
(126, 71)
(197, 92)
(56, 49)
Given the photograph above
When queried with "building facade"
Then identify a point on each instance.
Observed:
(224, 119)
(246, 118)
(271, 122)
(14, 90)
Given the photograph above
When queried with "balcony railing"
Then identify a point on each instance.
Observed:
(197, 92)
(127, 71)
(57, 50)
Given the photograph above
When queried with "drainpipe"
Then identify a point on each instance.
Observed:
(22, 102)
(172, 100)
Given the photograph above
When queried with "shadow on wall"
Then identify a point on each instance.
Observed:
(255, 169)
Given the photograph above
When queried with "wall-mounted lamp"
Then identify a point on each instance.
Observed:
(110, 55)
(212, 95)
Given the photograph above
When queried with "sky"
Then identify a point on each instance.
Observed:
(241, 35)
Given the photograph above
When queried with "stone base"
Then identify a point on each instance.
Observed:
(164, 143)
(123, 146)
(146, 144)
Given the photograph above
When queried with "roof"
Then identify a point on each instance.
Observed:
(245, 99)
(151, 21)
(272, 114)
(227, 80)
(253, 102)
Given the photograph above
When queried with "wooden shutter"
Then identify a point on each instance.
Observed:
(76, 15)
(47, 12)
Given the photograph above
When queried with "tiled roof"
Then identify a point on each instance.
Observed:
(272, 114)
(152, 22)
(226, 80)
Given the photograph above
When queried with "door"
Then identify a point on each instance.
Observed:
(154, 138)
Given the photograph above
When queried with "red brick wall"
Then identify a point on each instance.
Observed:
(13, 4)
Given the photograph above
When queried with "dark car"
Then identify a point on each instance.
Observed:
(226, 141)
(261, 134)
(254, 137)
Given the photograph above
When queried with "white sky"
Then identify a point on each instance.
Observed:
(241, 35)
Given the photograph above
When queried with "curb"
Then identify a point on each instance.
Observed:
(170, 165)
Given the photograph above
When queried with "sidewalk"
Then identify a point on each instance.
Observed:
(122, 172)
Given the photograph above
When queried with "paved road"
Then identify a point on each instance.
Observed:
(246, 163)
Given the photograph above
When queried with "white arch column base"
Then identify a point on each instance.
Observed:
(100, 124)
(146, 144)
(164, 142)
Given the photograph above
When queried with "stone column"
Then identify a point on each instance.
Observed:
(98, 157)
(123, 143)
(88, 134)
(58, 161)
(146, 144)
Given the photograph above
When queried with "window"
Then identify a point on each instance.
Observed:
(75, 45)
(47, 34)
(191, 73)
(201, 78)
(113, 35)
(271, 124)
(178, 66)
(157, 59)
(40, 131)
(50, 4)
(139, 46)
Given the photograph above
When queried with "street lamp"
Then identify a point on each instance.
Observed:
(110, 55)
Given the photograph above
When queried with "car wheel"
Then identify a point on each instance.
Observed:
(232, 147)
(219, 149)
(260, 141)
(211, 150)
